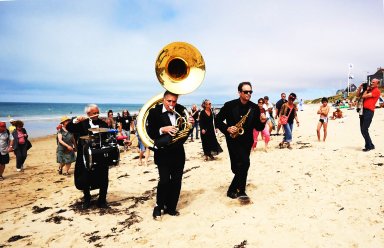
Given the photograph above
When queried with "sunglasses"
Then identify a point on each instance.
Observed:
(261, 102)
(247, 92)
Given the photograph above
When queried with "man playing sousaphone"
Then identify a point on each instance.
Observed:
(236, 120)
(86, 179)
(169, 158)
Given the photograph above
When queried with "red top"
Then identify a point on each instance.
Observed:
(21, 137)
(370, 102)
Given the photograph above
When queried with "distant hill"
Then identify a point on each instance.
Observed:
(334, 98)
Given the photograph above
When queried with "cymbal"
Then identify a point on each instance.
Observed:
(99, 129)
(87, 137)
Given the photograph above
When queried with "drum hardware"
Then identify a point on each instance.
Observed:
(99, 129)
(87, 137)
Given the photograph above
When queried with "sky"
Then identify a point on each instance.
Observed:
(105, 51)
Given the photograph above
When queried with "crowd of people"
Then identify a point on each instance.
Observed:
(240, 120)
(14, 139)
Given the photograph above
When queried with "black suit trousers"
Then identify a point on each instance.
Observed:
(239, 153)
(169, 186)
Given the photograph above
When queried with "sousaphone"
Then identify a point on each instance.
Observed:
(180, 69)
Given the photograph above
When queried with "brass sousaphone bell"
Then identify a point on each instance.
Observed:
(180, 69)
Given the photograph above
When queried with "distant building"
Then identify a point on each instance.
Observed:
(379, 75)
(352, 88)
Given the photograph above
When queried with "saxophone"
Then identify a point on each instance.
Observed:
(239, 125)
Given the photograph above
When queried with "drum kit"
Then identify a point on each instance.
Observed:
(100, 148)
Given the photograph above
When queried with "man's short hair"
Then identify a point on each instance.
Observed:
(167, 92)
(89, 107)
(240, 87)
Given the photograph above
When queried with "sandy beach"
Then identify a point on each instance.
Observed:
(319, 194)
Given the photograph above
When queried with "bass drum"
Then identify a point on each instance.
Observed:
(94, 157)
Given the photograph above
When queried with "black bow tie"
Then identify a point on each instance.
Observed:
(170, 112)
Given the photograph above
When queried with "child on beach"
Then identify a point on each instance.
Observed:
(323, 121)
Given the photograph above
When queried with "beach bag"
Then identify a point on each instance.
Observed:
(284, 118)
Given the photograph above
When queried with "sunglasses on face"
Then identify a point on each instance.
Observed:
(247, 92)
(260, 102)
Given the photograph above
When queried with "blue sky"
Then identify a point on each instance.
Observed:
(105, 51)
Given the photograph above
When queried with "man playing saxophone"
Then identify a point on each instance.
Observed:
(236, 120)
(169, 156)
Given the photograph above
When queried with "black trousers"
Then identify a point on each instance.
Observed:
(98, 179)
(365, 123)
(239, 155)
(21, 155)
(169, 186)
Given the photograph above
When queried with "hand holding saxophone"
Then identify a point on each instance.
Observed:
(232, 130)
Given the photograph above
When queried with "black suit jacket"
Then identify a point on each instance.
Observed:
(168, 153)
(230, 114)
(83, 177)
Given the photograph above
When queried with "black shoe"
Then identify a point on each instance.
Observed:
(232, 195)
(366, 150)
(86, 204)
(102, 204)
(156, 213)
(243, 198)
(172, 212)
(242, 194)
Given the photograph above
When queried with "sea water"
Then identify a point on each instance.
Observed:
(41, 119)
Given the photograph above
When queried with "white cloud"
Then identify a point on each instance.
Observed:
(109, 47)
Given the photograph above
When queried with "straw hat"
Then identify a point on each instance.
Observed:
(64, 118)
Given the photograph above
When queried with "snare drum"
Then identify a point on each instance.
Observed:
(104, 156)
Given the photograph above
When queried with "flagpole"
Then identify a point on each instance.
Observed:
(350, 66)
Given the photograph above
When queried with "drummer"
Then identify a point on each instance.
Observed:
(86, 180)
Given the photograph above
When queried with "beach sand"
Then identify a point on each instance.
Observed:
(319, 194)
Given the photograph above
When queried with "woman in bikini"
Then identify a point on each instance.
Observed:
(323, 121)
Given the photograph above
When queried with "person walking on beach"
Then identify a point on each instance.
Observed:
(110, 119)
(86, 179)
(370, 97)
(278, 108)
(169, 158)
(195, 112)
(4, 148)
(265, 133)
(207, 130)
(127, 124)
(12, 127)
(20, 144)
(323, 121)
(66, 147)
(240, 113)
(289, 111)
(268, 106)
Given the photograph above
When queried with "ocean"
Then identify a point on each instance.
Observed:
(41, 119)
